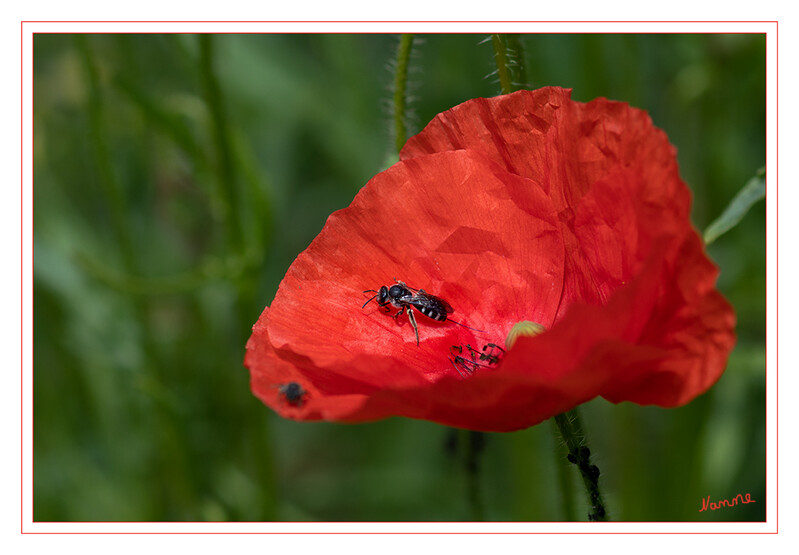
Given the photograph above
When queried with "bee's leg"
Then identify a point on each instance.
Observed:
(412, 319)
(399, 312)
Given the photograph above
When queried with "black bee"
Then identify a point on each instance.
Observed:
(293, 393)
(407, 298)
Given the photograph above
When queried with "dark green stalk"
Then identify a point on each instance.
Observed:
(573, 435)
(475, 442)
(107, 177)
(236, 213)
(226, 175)
(564, 479)
(401, 88)
(503, 69)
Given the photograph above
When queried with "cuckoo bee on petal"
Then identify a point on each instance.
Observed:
(407, 299)
(293, 393)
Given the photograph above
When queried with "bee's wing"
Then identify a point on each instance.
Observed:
(446, 305)
(421, 291)
(432, 299)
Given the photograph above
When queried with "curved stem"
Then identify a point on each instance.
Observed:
(573, 435)
(400, 89)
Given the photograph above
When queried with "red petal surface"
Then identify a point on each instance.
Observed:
(588, 158)
(522, 207)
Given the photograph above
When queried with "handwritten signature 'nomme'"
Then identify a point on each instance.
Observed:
(713, 505)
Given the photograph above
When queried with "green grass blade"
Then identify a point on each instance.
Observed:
(753, 191)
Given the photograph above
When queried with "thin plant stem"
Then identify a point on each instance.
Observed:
(113, 189)
(573, 435)
(501, 58)
(474, 447)
(226, 173)
(516, 50)
(401, 89)
(564, 479)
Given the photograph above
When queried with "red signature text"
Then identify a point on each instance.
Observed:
(742, 498)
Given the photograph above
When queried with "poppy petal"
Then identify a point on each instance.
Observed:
(525, 207)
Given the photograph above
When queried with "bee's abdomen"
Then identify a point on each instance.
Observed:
(432, 312)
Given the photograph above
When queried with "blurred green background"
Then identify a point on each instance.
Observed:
(177, 177)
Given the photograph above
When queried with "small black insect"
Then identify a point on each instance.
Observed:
(293, 393)
(407, 298)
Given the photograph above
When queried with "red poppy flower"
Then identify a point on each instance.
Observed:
(524, 207)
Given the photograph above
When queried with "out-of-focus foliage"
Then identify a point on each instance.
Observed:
(176, 178)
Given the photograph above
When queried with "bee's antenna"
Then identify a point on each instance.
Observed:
(372, 297)
(464, 325)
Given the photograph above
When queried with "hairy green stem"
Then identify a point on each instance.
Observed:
(573, 435)
(568, 508)
(401, 88)
(501, 58)
(516, 51)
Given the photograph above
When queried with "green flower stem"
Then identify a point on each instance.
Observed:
(112, 188)
(236, 212)
(516, 51)
(474, 446)
(226, 193)
(503, 69)
(401, 89)
(573, 435)
(564, 479)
